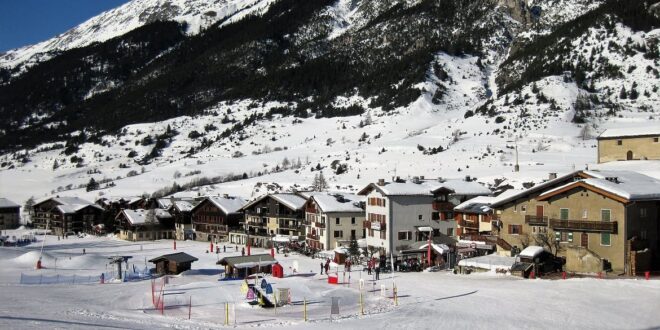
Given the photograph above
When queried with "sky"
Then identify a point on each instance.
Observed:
(26, 22)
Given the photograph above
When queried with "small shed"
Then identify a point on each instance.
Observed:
(172, 264)
(244, 266)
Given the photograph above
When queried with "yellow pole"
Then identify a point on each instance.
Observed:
(396, 297)
(226, 313)
(305, 309)
(275, 301)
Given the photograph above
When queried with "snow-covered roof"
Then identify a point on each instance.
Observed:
(625, 184)
(65, 200)
(629, 132)
(459, 187)
(536, 188)
(481, 204)
(183, 206)
(338, 203)
(164, 203)
(5, 203)
(70, 209)
(309, 194)
(291, 201)
(428, 187)
(228, 205)
(490, 261)
(531, 251)
(139, 216)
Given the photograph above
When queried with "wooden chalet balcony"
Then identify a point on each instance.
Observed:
(310, 209)
(584, 225)
(468, 224)
(442, 206)
(534, 220)
(292, 226)
(319, 224)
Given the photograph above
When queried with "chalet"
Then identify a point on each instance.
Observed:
(215, 217)
(597, 220)
(637, 143)
(181, 211)
(401, 213)
(10, 214)
(244, 266)
(333, 220)
(112, 207)
(271, 215)
(144, 225)
(173, 264)
(142, 203)
(74, 214)
(475, 216)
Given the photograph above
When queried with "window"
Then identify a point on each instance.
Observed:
(619, 142)
(515, 208)
(435, 216)
(450, 231)
(563, 214)
(655, 139)
(605, 238)
(337, 221)
(642, 212)
(352, 221)
(523, 208)
(642, 234)
(339, 234)
(405, 235)
(584, 214)
(420, 217)
(515, 229)
(352, 233)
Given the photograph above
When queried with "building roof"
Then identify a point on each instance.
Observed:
(481, 204)
(5, 203)
(139, 216)
(338, 203)
(176, 257)
(66, 200)
(292, 201)
(627, 185)
(183, 206)
(428, 187)
(539, 187)
(309, 194)
(228, 205)
(71, 209)
(630, 132)
(247, 261)
(164, 203)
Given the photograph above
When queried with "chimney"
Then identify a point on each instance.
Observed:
(467, 178)
(552, 176)
(381, 182)
(612, 179)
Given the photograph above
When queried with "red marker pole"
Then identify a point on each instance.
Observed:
(647, 275)
(174, 245)
(211, 250)
(272, 252)
(563, 275)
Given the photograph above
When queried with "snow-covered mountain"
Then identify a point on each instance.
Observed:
(197, 14)
(358, 89)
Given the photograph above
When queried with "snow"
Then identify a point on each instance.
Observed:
(5, 203)
(636, 131)
(629, 185)
(492, 262)
(531, 251)
(424, 298)
(139, 216)
(330, 203)
(292, 201)
(228, 205)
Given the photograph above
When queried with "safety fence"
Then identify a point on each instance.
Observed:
(61, 279)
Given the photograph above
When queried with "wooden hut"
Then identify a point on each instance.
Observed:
(173, 264)
(244, 266)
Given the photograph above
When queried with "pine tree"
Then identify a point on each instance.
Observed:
(353, 248)
(55, 164)
(323, 185)
(92, 185)
(623, 94)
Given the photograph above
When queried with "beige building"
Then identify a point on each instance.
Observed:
(274, 217)
(597, 220)
(629, 144)
(333, 220)
(145, 225)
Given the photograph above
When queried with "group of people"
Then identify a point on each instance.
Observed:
(371, 264)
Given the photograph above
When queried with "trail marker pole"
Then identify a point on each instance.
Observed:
(305, 309)
(361, 303)
(189, 307)
(226, 313)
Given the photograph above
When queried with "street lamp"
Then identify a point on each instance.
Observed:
(516, 168)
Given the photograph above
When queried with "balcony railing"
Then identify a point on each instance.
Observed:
(468, 224)
(534, 220)
(375, 225)
(292, 226)
(584, 225)
(319, 224)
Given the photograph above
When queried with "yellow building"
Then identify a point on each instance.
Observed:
(640, 143)
(596, 220)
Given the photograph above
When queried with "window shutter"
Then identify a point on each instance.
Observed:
(509, 229)
(570, 237)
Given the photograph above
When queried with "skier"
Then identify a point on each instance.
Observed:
(377, 273)
(327, 266)
(321, 268)
(243, 252)
(369, 267)
(83, 251)
(224, 248)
